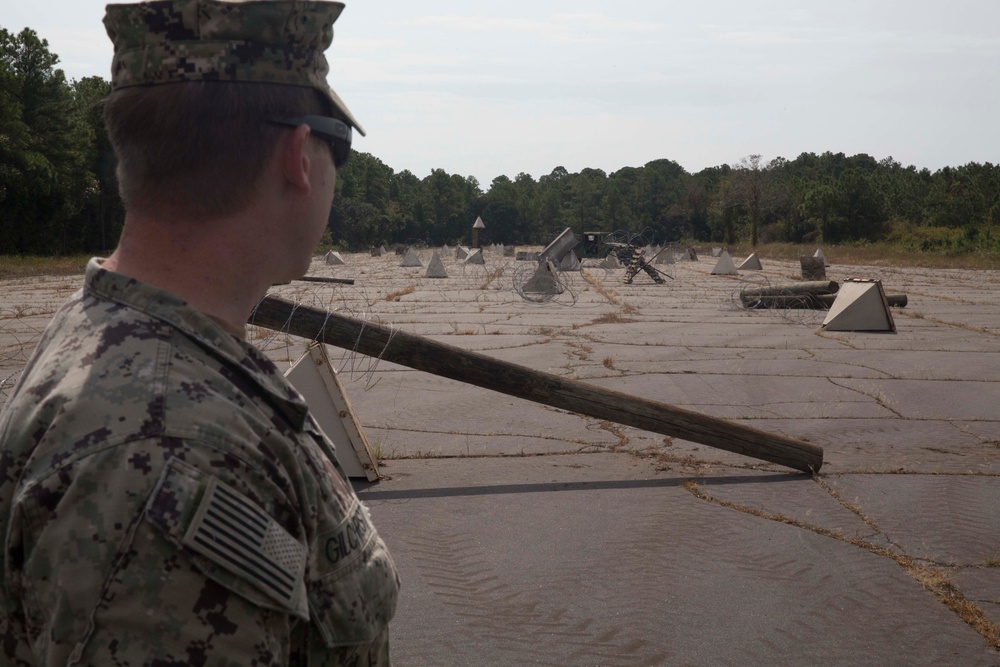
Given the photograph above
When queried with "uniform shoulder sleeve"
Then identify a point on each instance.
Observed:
(205, 575)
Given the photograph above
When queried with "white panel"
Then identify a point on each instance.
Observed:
(859, 306)
(314, 377)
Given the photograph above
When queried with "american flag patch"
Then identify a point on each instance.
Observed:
(233, 532)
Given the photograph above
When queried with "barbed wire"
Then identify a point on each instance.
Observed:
(550, 287)
(18, 337)
(640, 239)
(340, 299)
(794, 308)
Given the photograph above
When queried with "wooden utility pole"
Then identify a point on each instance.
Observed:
(480, 370)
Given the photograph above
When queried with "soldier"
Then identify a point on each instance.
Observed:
(631, 258)
(165, 496)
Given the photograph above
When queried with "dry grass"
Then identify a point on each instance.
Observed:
(629, 309)
(612, 318)
(491, 276)
(610, 295)
(617, 431)
(609, 363)
(876, 254)
(936, 581)
(394, 296)
(917, 315)
(17, 266)
(873, 254)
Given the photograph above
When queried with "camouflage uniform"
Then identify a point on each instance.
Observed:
(166, 498)
(272, 41)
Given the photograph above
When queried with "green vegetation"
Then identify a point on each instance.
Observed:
(33, 265)
(866, 254)
(57, 191)
(881, 253)
(58, 194)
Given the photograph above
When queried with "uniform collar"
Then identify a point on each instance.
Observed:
(201, 328)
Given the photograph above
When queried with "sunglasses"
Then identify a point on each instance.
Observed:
(336, 132)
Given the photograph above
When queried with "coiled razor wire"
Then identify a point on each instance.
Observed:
(24, 336)
(795, 308)
(639, 239)
(552, 288)
(357, 365)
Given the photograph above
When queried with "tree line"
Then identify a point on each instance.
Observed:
(58, 193)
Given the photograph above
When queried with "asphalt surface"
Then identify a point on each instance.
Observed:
(526, 535)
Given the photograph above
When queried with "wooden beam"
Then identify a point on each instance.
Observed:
(480, 370)
(322, 279)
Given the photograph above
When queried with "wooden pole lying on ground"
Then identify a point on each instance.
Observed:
(805, 294)
(322, 279)
(318, 279)
(480, 370)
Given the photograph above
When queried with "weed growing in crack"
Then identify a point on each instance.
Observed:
(934, 580)
(394, 296)
(612, 318)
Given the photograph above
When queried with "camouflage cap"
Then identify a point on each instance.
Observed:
(268, 41)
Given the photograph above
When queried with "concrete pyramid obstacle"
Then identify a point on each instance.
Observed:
(692, 255)
(716, 251)
(333, 258)
(610, 262)
(751, 263)
(476, 258)
(860, 306)
(411, 259)
(315, 378)
(819, 255)
(813, 268)
(557, 248)
(725, 266)
(665, 256)
(435, 268)
(461, 252)
(376, 252)
(382, 249)
(570, 262)
(544, 281)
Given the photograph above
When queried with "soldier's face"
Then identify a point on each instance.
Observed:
(325, 181)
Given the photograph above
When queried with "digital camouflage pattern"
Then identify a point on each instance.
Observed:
(266, 41)
(167, 499)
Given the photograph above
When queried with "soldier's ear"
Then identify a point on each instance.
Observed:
(293, 159)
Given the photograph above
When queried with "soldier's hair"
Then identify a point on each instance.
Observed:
(197, 149)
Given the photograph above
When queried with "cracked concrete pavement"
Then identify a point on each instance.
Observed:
(530, 535)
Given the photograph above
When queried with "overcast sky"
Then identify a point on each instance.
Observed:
(485, 89)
